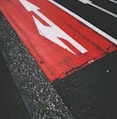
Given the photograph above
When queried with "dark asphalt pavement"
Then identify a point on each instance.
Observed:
(95, 16)
(90, 93)
(36, 92)
(11, 105)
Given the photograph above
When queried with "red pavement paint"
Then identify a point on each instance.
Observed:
(48, 32)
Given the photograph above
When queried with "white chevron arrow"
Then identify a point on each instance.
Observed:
(52, 32)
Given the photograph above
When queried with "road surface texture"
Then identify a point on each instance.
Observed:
(89, 93)
(38, 94)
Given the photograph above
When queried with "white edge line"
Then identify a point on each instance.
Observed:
(99, 31)
(113, 1)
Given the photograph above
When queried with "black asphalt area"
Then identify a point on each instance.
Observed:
(11, 104)
(89, 93)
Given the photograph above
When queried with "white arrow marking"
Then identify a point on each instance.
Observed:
(52, 32)
(89, 2)
(113, 1)
(99, 31)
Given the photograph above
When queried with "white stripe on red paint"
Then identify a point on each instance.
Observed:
(52, 32)
(32, 27)
(110, 38)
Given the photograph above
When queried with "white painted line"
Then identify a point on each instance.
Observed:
(99, 31)
(52, 32)
(89, 2)
(113, 1)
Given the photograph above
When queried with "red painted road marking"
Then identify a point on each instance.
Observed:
(96, 29)
(60, 43)
(51, 31)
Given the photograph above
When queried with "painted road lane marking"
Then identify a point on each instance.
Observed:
(114, 1)
(40, 24)
(52, 32)
(110, 38)
(89, 2)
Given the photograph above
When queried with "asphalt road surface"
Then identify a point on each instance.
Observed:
(90, 93)
(38, 95)
(97, 17)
